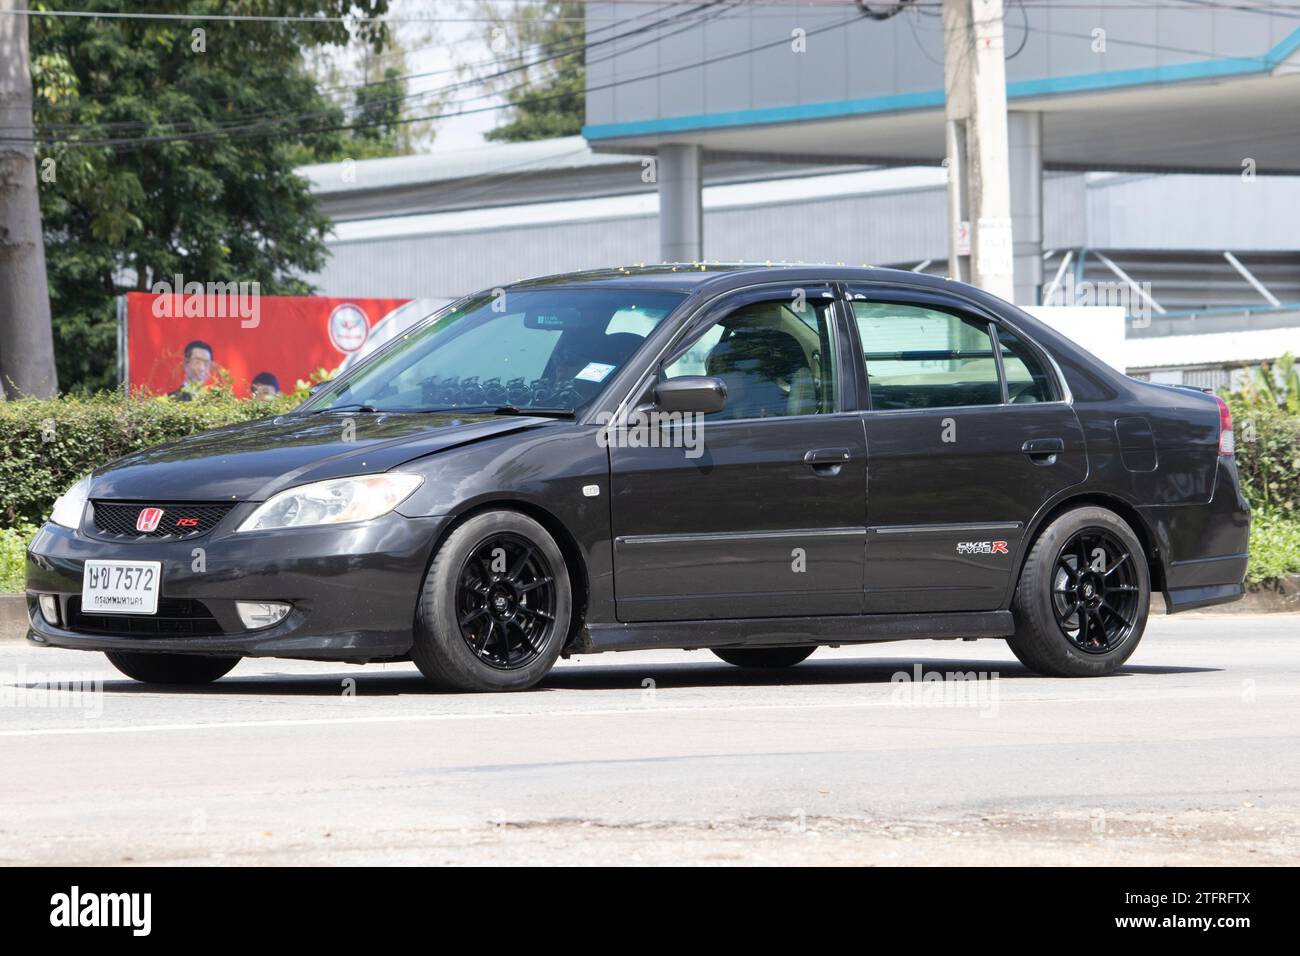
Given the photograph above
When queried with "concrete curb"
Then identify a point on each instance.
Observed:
(13, 617)
(1280, 597)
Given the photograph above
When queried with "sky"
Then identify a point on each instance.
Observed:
(457, 44)
(433, 52)
(450, 52)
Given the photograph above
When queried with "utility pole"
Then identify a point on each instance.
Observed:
(975, 111)
(26, 340)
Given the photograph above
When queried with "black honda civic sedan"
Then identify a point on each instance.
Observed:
(752, 460)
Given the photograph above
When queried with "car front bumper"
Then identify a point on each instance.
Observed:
(353, 590)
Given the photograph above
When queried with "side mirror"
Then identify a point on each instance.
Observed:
(691, 393)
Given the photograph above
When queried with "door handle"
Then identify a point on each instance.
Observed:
(1043, 451)
(827, 461)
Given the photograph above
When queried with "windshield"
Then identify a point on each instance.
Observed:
(550, 349)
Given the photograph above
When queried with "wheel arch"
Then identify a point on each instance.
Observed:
(1132, 517)
(573, 560)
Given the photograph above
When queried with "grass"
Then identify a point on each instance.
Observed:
(13, 556)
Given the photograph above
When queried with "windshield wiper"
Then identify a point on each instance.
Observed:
(468, 410)
(348, 407)
(539, 412)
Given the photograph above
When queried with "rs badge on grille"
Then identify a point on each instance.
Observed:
(148, 520)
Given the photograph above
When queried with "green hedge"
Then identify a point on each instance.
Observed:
(1268, 460)
(1274, 545)
(1268, 453)
(49, 444)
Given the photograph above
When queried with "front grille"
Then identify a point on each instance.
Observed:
(179, 520)
(176, 617)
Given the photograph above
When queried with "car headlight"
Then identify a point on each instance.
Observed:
(70, 505)
(335, 501)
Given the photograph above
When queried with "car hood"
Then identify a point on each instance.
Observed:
(252, 461)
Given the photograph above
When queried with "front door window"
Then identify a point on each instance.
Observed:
(775, 357)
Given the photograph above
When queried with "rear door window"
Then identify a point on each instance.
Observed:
(920, 357)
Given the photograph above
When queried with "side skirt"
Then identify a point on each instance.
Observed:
(779, 631)
(1188, 599)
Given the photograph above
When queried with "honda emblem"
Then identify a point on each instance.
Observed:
(148, 520)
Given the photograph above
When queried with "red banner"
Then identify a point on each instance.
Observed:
(276, 340)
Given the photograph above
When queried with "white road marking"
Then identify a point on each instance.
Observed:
(653, 709)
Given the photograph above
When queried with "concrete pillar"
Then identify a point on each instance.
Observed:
(975, 99)
(681, 211)
(1025, 135)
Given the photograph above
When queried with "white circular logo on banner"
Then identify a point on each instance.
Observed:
(349, 327)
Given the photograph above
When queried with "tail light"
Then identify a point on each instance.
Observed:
(1227, 441)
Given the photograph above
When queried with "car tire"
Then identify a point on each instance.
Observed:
(1081, 644)
(462, 646)
(765, 657)
(151, 668)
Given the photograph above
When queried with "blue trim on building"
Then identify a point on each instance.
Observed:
(898, 102)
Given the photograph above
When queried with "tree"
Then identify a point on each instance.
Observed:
(547, 89)
(173, 146)
(374, 85)
(26, 345)
(379, 110)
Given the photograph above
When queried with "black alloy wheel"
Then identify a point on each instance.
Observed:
(1095, 591)
(1083, 597)
(505, 601)
(496, 607)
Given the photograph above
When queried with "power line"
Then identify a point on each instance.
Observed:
(899, 5)
(781, 5)
(252, 18)
(347, 87)
(708, 10)
(254, 129)
(786, 8)
(1120, 41)
(258, 129)
(581, 46)
(1024, 36)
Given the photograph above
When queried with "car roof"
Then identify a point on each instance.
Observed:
(695, 276)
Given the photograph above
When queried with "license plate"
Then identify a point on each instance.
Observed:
(121, 587)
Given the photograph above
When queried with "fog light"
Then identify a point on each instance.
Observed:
(50, 609)
(257, 614)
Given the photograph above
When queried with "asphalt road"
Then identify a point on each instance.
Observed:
(1190, 755)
